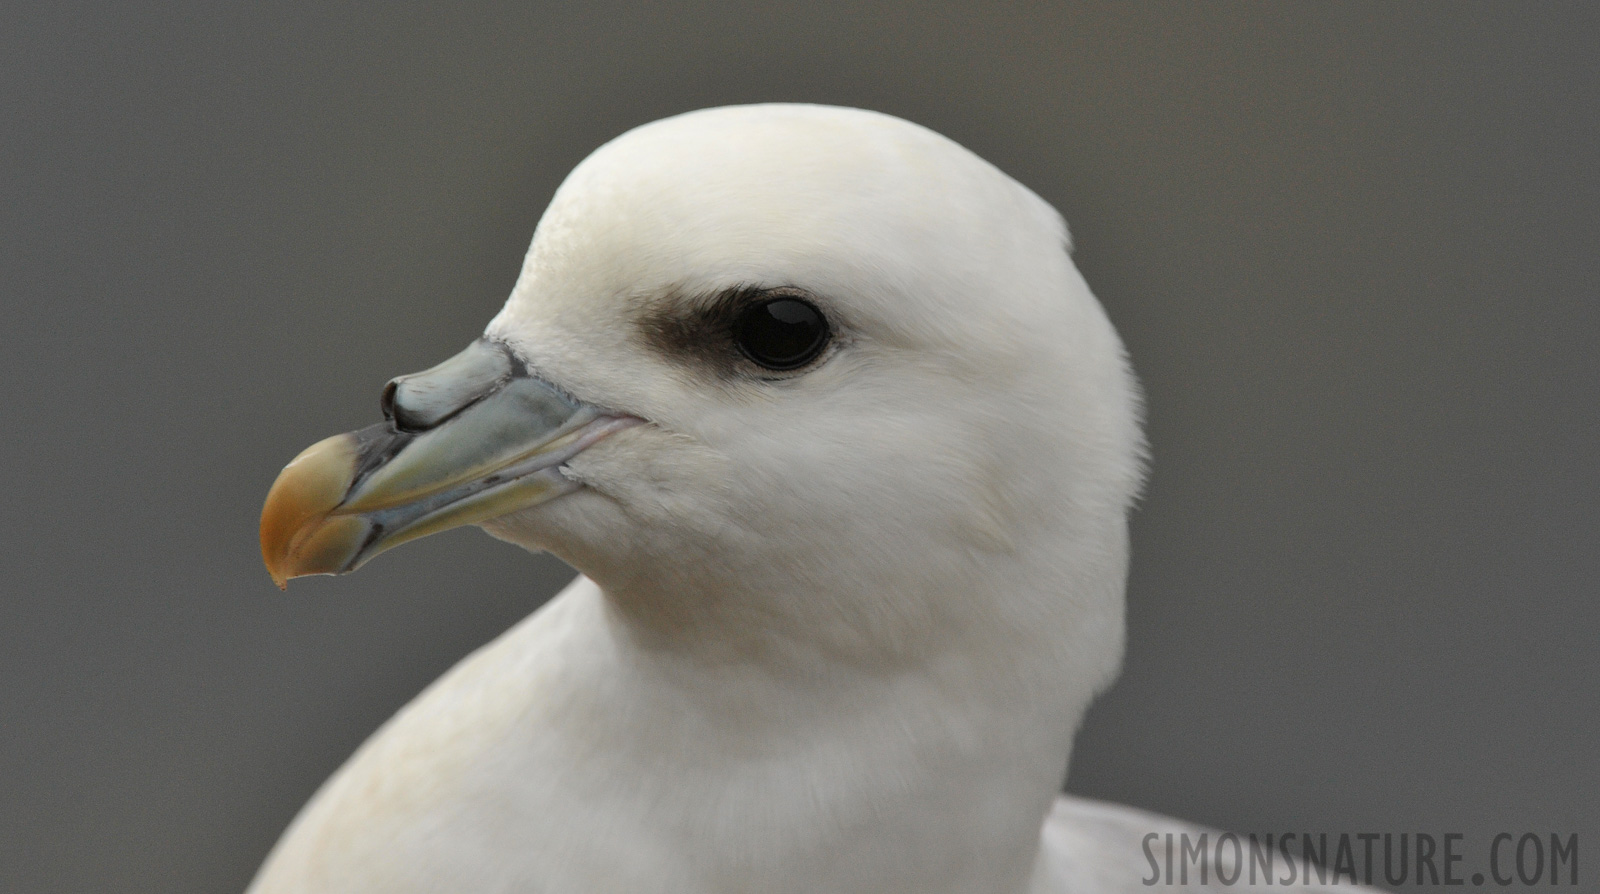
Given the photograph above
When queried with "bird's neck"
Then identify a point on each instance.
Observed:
(941, 764)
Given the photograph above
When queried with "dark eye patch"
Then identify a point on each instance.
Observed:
(713, 332)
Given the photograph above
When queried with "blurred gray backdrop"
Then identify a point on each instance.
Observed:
(1352, 248)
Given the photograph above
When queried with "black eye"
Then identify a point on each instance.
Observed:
(781, 333)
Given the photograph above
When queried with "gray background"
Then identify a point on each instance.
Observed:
(1352, 249)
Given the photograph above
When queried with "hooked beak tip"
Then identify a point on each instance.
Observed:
(298, 536)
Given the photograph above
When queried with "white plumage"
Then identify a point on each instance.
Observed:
(836, 627)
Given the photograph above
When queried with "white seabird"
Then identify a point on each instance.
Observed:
(844, 448)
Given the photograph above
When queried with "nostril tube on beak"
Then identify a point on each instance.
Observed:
(420, 401)
(386, 403)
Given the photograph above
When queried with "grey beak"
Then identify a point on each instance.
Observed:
(476, 437)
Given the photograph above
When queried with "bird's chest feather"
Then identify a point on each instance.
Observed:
(514, 775)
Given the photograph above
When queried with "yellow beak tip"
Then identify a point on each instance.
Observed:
(298, 537)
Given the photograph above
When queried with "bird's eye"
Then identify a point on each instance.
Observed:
(781, 333)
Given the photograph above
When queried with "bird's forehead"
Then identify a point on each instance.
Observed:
(853, 204)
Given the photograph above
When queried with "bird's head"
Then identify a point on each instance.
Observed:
(764, 360)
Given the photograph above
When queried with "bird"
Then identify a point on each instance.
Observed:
(843, 448)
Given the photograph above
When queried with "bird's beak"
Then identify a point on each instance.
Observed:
(472, 439)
